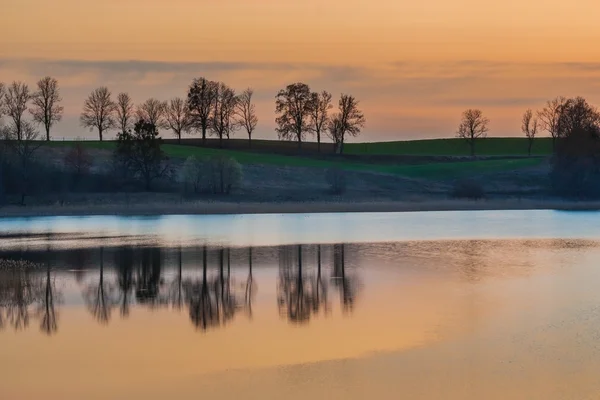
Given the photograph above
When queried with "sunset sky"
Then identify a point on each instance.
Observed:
(414, 65)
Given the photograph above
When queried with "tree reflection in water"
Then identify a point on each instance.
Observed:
(128, 277)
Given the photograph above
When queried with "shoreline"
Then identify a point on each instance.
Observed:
(221, 208)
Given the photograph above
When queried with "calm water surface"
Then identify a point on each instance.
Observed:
(452, 305)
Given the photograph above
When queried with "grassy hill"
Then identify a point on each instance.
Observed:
(426, 169)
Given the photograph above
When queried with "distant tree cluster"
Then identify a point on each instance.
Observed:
(302, 112)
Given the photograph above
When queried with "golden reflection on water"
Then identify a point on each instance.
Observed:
(456, 319)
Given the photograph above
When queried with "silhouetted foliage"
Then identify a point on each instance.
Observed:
(319, 114)
(473, 126)
(348, 121)
(46, 109)
(549, 117)
(223, 174)
(140, 153)
(222, 120)
(293, 107)
(100, 297)
(99, 111)
(16, 99)
(201, 98)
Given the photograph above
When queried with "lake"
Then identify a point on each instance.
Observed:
(432, 305)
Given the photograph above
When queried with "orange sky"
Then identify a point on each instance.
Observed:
(414, 65)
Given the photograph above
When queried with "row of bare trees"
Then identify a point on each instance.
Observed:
(302, 112)
(556, 117)
(43, 104)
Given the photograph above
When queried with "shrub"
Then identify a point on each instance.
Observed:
(467, 189)
(222, 174)
(336, 178)
(192, 174)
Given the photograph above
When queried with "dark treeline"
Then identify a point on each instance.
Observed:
(213, 285)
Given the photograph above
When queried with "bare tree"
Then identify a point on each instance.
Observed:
(549, 117)
(529, 126)
(319, 118)
(201, 99)
(293, 105)
(153, 111)
(177, 117)
(246, 113)
(349, 120)
(46, 109)
(98, 111)
(15, 103)
(125, 112)
(222, 122)
(473, 126)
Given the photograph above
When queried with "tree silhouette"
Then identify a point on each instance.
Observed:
(201, 98)
(320, 290)
(16, 98)
(348, 121)
(153, 112)
(246, 113)
(124, 112)
(99, 111)
(124, 260)
(99, 297)
(176, 291)
(293, 106)
(21, 289)
(473, 126)
(529, 126)
(319, 114)
(149, 278)
(46, 109)
(226, 300)
(222, 122)
(250, 289)
(201, 300)
(177, 117)
(346, 284)
(549, 117)
(294, 294)
(46, 310)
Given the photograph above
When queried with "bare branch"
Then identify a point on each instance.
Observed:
(15, 103)
(46, 109)
(472, 127)
(222, 122)
(293, 105)
(99, 111)
(201, 101)
(319, 118)
(177, 117)
(125, 112)
(246, 113)
(349, 120)
(153, 111)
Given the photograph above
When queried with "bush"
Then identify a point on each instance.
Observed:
(223, 174)
(217, 175)
(192, 174)
(336, 178)
(467, 189)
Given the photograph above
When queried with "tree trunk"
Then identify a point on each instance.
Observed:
(342, 146)
(179, 137)
(529, 147)
(47, 134)
(318, 141)
(100, 133)
(249, 140)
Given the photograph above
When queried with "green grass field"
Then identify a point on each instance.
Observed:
(453, 147)
(427, 170)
